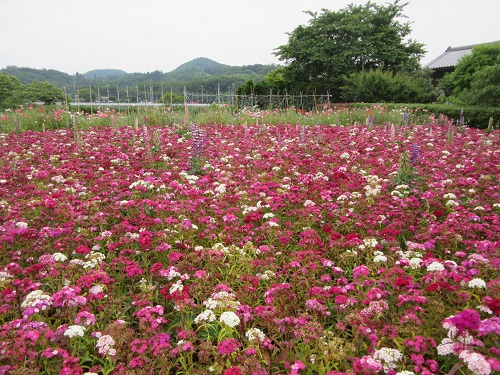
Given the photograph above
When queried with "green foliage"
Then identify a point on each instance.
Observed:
(87, 94)
(42, 91)
(353, 39)
(476, 79)
(475, 116)
(380, 85)
(485, 87)
(28, 75)
(170, 98)
(202, 73)
(103, 73)
(10, 88)
(13, 93)
(274, 80)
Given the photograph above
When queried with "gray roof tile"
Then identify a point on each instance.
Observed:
(451, 57)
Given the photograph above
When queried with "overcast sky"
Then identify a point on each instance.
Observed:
(143, 36)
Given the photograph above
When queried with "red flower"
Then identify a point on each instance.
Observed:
(439, 213)
(494, 305)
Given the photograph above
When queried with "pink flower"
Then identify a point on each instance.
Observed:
(175, 256)
(466, 319)
(360, 271)
(228, 346)
(296, 367)
(139, 346)
(233, 371)
(475, 362)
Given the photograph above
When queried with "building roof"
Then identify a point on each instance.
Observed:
(451, 57)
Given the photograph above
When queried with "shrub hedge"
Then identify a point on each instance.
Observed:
(475, 116)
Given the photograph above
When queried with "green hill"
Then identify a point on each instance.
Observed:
(195, 75)
(103, 73)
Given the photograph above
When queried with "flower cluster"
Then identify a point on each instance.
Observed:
(289, 250)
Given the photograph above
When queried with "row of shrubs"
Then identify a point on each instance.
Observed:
(473, 116)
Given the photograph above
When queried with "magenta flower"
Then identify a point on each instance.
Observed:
(360, 271)
(466, 319)
(228, 346)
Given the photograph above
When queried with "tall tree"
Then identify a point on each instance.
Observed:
(476, 79)
(44, 91)
(10, 88)
(353, 39)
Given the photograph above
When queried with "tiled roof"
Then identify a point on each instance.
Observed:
(451, 57)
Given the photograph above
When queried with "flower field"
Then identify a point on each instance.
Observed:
(250, 250)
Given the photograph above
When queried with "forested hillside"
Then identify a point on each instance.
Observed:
(201, 74)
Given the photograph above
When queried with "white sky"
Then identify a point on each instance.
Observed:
(147, 35)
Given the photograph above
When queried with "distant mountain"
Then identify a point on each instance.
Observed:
(201, 63)
(200, 74)
(101, 73)
(28, 75)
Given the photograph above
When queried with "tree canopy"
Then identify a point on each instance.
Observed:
(476, 79)
(10, 88)
(336, 44)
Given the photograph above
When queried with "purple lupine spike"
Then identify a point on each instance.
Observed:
(199, 138)
(414, 154)
(406, 118)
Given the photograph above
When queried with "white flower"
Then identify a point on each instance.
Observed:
(345, 155)
(96, 289)
(477, 283)
(75, 330)
(177, 286)
(446, 347)
(475, 362)
(405, 372)
(415, 263)
(221, 189)
(380, 258)
(389, 356)
(206, 316)
(34, 298)
(229, 318)
(435, 266)
(255, 333)
(105, 345)
(59, 257)
(21, 224)
(370, 242)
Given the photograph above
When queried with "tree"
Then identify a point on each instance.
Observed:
(10, 89)
(379, 85)
(353, 39)
(170, 98)
(43, 91)
(476, 79)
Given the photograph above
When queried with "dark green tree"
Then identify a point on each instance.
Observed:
(170, 98)
(10, 91)
(379, 85)
(353, 39)
(476, 79)
(43, 91)
(485, 87)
